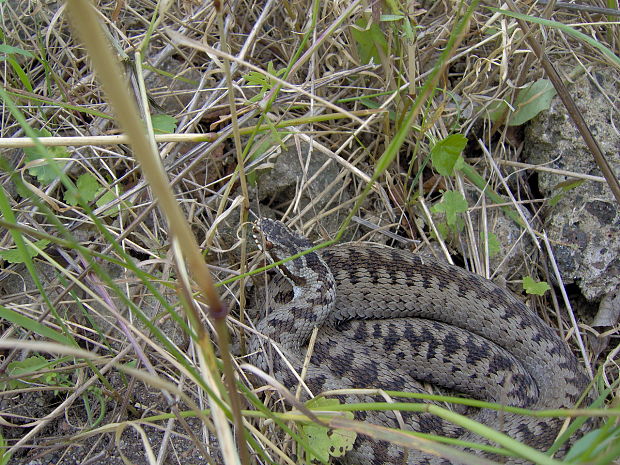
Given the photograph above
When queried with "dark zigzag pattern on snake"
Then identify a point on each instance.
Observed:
(389, 319)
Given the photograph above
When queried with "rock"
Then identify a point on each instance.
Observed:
(290, 170)
(585, 224)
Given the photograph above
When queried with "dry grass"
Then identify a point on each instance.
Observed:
(122, 333)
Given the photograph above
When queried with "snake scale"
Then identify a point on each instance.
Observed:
(391, 319)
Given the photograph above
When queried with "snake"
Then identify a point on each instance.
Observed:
(391, 319)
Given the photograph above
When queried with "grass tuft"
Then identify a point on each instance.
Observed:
(140, 138)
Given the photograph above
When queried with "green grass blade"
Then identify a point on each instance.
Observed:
(610, 55)
(34, 326)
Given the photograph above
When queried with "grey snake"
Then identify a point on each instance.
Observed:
(392, 319)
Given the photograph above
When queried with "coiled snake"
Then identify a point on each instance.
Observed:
(388, 317)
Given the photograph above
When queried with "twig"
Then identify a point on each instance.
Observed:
(569, 308)
(570, 105)
(579, 7)
(546, 169)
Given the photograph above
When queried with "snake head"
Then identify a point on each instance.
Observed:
(277, 236)
(278, 242)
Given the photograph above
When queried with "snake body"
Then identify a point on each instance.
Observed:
(389, 319)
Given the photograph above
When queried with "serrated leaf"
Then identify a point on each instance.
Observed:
(325, 441)
(45, 173)
(15, 256)
(494, 245)
(26, 369)
(531, 101)
(446, 154)
(27, 366)
(163, 124)
(442, 229)
(369, 40)
(87, 187)
(255, 78)
(452, 203)
(264, 80)
(533, 287)
(22, 368)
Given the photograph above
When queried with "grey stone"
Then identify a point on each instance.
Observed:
(290, 168)
(585, 224)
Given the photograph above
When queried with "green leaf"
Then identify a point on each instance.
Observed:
(267, 143)
(163, 124)
(369, 41)
(34, 326)
(15, 256)
(496, 110)
(10, 50)
(131, 364)
(443, 230)
(26, 369)
(405, 28)
(23, 368)
(564, 188)
(494, 245)
(4, 455)
(21, 74)
(451, 204)
(28, 365)
(263, 80)
(109, 196)
(44, 172)
(325, 441)
(531, 101)
(592, 41)
(446, 154)
(271, 70)
(533, 287)
(5, 166)
(52, 378)
(87, 187)
(592, 443)
(254, 78)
